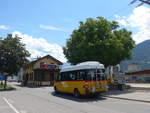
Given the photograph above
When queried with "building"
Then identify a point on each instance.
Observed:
(42, 71)
(133, 67)
(142, 76)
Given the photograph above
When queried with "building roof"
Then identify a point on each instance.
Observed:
(142, 72)
(48, 56)
(84, 65)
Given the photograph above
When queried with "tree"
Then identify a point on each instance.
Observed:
(13, 54)
(99, 40)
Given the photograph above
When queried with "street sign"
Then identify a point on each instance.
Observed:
(2, 77)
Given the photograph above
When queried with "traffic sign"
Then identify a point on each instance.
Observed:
(2, 77)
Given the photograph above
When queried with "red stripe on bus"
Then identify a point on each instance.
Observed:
(82, 80)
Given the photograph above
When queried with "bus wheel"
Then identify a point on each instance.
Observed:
(76, 93)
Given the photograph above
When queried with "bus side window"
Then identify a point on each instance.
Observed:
(103, 77)
(67, 77)
(79, 76)
(63, 76)
(88, 75)
(72, 75)
(103, 70)
(83, 75)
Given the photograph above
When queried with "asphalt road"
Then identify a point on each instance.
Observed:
(44, 100)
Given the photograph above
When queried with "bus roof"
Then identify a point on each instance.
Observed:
(84, 65)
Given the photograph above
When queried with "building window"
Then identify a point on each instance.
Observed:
(134, 77)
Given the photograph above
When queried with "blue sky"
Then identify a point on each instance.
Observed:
(27, 15)
(54, 20)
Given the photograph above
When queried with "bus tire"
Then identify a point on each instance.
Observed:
(76, 93)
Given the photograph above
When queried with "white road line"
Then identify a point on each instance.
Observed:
(10, 105)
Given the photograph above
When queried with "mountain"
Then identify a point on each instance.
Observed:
(142, 51)
(140, 55)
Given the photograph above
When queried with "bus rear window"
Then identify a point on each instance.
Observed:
(95, 74)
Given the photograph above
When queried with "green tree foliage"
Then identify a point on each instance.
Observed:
(99, 40)
(13, 54)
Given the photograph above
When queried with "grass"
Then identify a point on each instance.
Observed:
(8, 88)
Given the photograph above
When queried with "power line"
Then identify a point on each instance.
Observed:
(126, 7)
(145, 1)
(142, 2)
(118, 11)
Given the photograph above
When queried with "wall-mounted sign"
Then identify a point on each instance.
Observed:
(49, 66)
(52, 66)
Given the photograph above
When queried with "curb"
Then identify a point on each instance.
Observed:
(140, 88)
(126, 98)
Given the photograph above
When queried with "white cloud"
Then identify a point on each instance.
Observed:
(47, 27)
(40, 47)
(139, 19)
(3, 27)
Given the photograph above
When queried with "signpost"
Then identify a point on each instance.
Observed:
(2, 77)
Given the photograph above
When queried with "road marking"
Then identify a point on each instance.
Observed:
(10, 105)
(23, 111)
(4, 107)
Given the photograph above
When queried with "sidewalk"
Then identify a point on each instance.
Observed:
(139, 85)
(138, 92)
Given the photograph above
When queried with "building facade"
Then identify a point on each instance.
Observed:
(133, 67)
(142, 76)
(42, 71)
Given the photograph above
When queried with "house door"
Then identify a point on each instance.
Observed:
(51, 78)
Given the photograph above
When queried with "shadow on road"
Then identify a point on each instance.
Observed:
(81, 99)
(118, 92)
(31, 86)
(146, 101)
(116, 95)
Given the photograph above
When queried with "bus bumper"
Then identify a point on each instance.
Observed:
(97, 92)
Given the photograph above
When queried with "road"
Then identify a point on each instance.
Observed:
(44, 100)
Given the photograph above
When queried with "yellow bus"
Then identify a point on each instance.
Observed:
(85, 78)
